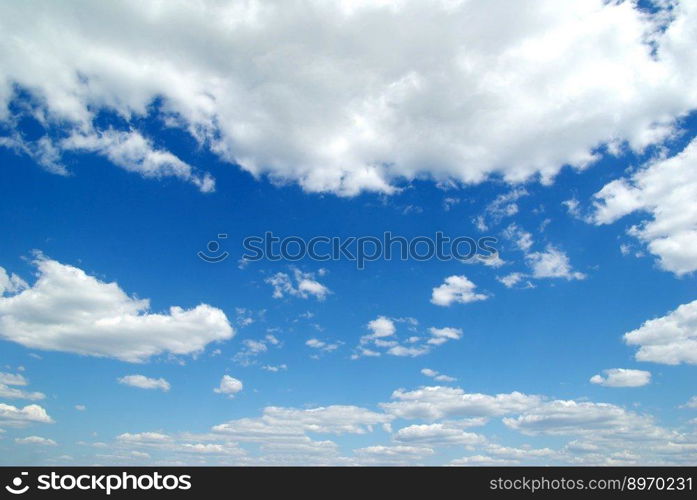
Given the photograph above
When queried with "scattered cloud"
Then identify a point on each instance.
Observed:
(143, 382)
(665, 189)
(456, 289)
(229, 386)
(671, 339)
(68, 310)
(300, 284)
(622, 377)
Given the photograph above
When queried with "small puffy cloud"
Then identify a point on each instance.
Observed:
(571, 417)
(456, 289)
(286, 424)
(80, 407)
(12, 416)
(321, 345)
(143, 382)
(68, 310)
(671, 339)
(439, 434)
(522, 239)
(37, 440)
(10, 283)
(691, 403)
(275, 368)
(14, 393)
(622, 377)
(300, 284)
(552, 263)
(143, 437)
(442, 335)
(382, 327)
(440, 377)
(229, 386)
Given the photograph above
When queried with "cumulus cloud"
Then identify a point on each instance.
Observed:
(572, 417)
(440, 434)
(552, 263)
(456, 289)
(38, 440)
(300, 284)
(12, 416)
(321, 345)
(7, 380)
(342, 97)
(281, 423)
(143, 382)
(229, 385)
(440, 377)
(68, 310)
(671, 339)
(439, 402)
(382, 327)
(664, 189)
(622, 377)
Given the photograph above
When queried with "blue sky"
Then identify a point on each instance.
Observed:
(112, 180)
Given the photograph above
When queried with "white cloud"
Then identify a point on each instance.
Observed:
(622, 377)
(671, 339)
(38, 440)
(321, 345)
(666, 190)
(13, 416)
(456, 289)
(13, 378)
(275, 368)
(522, 238)
(440, 377)
(10, 283)
(342, 97)
(143, 382)
(305, 285)
(552, 263)
(80, 407)
(691, 403)
(279, 423)
(382, 327)
(512, 279)
(442, 335)
(439, 402)
(572, 417)
(132, 152)
(229, 385)
(68, 310)
(14, 393)
(440, 434)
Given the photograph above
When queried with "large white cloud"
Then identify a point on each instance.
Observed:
(346, 96)
(68, 310)
(670, 339)
(666, 190)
